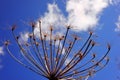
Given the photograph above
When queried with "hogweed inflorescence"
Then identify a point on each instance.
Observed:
(47, 54)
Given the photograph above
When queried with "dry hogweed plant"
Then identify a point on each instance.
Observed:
(47, 55)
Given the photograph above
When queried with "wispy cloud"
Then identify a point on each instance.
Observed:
(118, 24)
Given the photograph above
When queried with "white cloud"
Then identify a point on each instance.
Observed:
(118, 24)
(53, 17)
(1, 51)
(84, 14)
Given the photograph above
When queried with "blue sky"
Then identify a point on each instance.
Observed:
(103, 19)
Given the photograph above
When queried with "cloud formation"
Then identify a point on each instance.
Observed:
(53, 17)
(118, 24)
(82, 15)
(85, 14)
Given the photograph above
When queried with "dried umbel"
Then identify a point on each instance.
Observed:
(47, 55)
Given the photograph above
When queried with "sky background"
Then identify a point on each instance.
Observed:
(101, 16)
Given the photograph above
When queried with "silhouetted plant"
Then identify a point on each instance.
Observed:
(47, 55)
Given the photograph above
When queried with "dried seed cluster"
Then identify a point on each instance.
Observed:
(47, 59)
